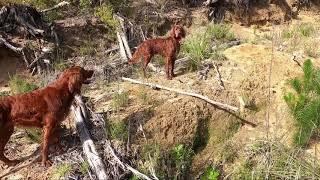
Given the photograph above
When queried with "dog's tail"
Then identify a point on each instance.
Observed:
(135, 57)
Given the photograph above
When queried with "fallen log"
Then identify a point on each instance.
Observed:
(81, 115)
(156, 86)
(89, 149)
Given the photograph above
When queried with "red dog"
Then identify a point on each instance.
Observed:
(44, 108)
(168, 47)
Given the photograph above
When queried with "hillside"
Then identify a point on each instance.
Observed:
(167, 135)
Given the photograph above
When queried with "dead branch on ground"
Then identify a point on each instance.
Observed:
(59, 5)
(218, 76)
(156, 86)
(89, 149)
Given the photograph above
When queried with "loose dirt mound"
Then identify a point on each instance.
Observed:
(176, 121)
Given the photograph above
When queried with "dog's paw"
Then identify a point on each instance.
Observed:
(46, 163)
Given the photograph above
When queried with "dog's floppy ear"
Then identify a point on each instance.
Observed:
(74, 84)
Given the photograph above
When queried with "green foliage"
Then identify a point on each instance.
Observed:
(287, 33)
(173, 164)
(84, 4)
(61, 170)
(120, 99)
(34, 135)
(306, 29)
(281, 163)
(220, 32)
(84, 167)
(19, 85)
(60, 66)
(210, 174)
(117, 130)
(305, 103)
(182, 159)
(303, 30)
(134, 177)
(198, 46)
(151, 158)
(4, 93)
(105, 12)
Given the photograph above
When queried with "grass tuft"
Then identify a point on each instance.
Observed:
(117, 130)
(119, 100)
(61, 170)
(199, 46)
(19, 85)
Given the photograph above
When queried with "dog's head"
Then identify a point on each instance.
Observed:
(76, 76)
(178, 32)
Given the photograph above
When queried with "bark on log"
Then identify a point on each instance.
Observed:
(89, 149)
(121, 48)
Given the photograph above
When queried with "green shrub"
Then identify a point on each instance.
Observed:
(272, 160)
(182, 159)
(304, 103)
(61, 170)
(19, 85)
(151, 158)
(117, 130)
(303, 30)
(84, 4)
(210, 174)
(84, 167)
(105, 12)
(220, 32)
(198, 46)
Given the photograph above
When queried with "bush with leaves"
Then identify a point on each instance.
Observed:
(304, 103)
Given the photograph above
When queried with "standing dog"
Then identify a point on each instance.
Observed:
(167, 47)
(44, 108)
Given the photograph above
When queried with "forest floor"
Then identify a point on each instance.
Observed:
(256, 71)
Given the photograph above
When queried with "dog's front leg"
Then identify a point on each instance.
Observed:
(168, 66)
(47, 132)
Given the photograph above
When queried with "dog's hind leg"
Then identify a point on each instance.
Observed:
(146, 59)
(5, 133)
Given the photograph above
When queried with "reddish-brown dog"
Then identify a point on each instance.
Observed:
(167, 47)
(44, 108)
